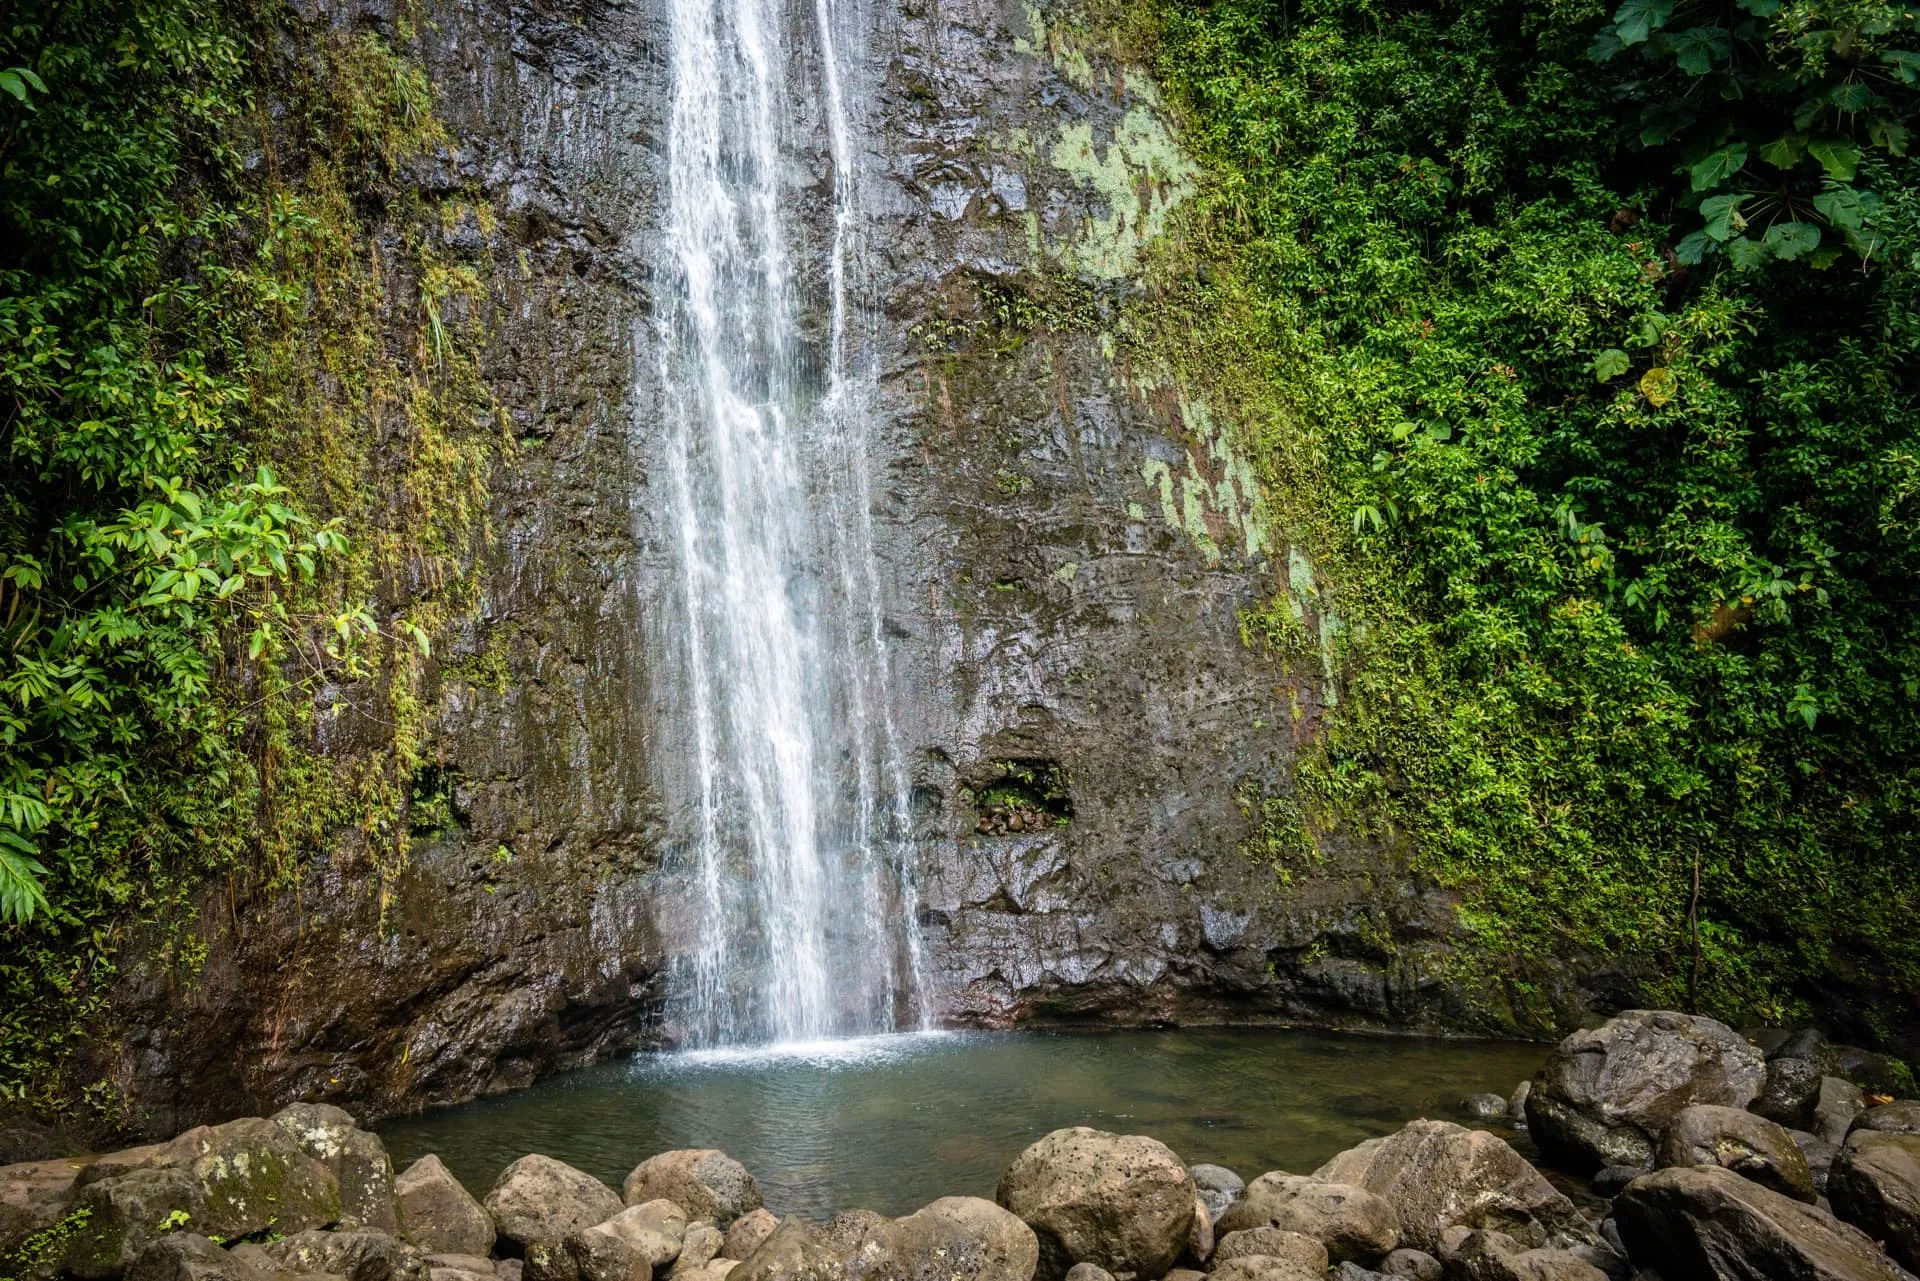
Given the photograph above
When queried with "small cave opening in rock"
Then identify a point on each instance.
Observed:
(431, 807)
(1019, 795)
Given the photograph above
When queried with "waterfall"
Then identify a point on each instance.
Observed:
(783, 751)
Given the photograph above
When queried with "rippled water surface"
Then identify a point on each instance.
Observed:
(889, 1123)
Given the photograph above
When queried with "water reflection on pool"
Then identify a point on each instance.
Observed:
(890, 1123)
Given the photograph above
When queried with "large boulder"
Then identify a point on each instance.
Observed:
(357, 1255)
(745, 1233)
(1439, 1175)
(1484, 1255)
(1708, 1223)
(656, 1228)
(963, 1238)
(233, 1180)
(540, 1199)
(1836, 1106)
(1124, 1202)
(586, 1255)
(1264, 1267)
(188, 1256)
(706, 1183)
(1607, 1094)
(34, 1195)
(438, 1214)
(701, 1246)
(1751, 1146)
(1351, 1222)
(1875, 1185)
(1902, 1116)
(794, 1251)
(359, 1162)
(1272, 1243)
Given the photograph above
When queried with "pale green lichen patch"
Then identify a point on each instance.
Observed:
(1212, 496)
(1140, 177)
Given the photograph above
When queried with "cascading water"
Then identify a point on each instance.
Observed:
(787, 764)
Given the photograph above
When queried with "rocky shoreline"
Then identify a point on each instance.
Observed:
(1709, 1155)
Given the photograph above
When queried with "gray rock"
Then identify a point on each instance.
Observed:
(1437, 1175)
(358, 1255)
(1484, 1107)
(1200, 1233)
(1124, 1202)
(459, 1267)
(34, 1195)
(1711, 1223)
(1094, 1272)
(1835, 1106)
(1875, 1185)
(540, 1199)
(1611, 1180)
(1872, 1071)
(1354, 1272)
(188, 1256)
(439, 1215)
(657, 1229)
(1786, 1098)
(1819, 1156)
(1517, 1104)
(1262, 1267)
(585, 1255)
(1272, 1243)
(1607, 1094)
(1352, 1222)
(1902, 1116)
(705, 1182)
(509, 1269)
(846, 1230)
(962, 1238)
(231, 1180)
(701, 1246)
(358, 1160)
(1749, 1145)
(1484, 1255)
(745, 1233)
(1415, 1265)
(1219, 1187)
(792, 1252)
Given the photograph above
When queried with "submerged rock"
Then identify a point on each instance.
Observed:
(705, 1182)
(1875, 1185)
(1484, 1107)
(1607, 1094)
(540, 1199)
(1708, 1222)
(1437, 1175)
(438, 1214)
(1124, 1202)
(1350, 1221)
(1218, 1186)
(1749, 1145)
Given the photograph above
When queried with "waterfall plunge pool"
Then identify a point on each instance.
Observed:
(889, 1123)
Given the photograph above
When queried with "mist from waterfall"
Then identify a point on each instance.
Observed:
(783, 749)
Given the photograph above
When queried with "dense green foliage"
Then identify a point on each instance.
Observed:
(188, 306)
(1581, 345)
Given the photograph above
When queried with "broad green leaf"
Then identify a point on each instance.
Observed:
(1659, 123)
(1841, 206)
(1723, 215)
(1606, 45)
(1719, 166)
(1905, 64)
(1890, 136)
(1658, 385)
(1785, 151)
(1838, 157)
(1694, 248)
(1851, 97)
(1746, 253)
(1697, 48)
(1610, 364)
(11, 83)
(1635, 20)
(21, 894)
(1789, 240)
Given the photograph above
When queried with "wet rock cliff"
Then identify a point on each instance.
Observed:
(1068, 536)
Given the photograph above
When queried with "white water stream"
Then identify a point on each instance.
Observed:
(786, 756)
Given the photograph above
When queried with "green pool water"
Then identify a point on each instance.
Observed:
(890, 1123)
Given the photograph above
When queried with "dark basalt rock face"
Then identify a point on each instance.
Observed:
(1067, 539)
